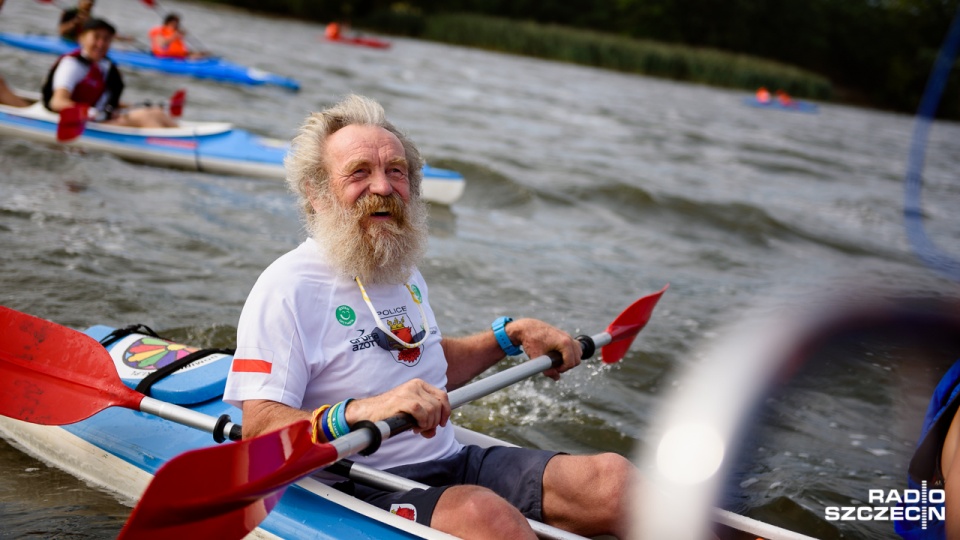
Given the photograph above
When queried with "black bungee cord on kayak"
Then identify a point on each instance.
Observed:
(925, 249)
(147, 382)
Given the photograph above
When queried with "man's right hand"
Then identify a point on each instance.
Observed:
(428, 405)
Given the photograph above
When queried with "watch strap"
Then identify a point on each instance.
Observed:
(499, 332)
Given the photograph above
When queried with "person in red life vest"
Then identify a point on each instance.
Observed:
(784, 98)
(333, 30)
(763, 95)
(87, 76)
(167, 40)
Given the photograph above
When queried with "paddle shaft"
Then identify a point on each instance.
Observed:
(367, 436)
(221, 428)
(517, 373)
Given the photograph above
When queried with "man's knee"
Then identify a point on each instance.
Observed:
(615, 472)
(478, 513)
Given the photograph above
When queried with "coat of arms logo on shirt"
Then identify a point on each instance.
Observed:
(399, 327)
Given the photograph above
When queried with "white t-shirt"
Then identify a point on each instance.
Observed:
(71, 71)
(306, 338)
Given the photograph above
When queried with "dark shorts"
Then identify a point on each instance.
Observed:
(516, 474)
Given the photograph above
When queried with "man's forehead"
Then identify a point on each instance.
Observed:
(353, 140)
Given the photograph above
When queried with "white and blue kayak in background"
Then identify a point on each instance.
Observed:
(215, 147)
(213, 68)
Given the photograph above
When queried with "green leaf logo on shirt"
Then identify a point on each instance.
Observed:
(345, 315)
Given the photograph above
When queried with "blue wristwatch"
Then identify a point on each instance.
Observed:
(501, 334)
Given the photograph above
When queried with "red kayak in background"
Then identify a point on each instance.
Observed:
(335, 33)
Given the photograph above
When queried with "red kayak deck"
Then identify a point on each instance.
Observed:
(360, 41)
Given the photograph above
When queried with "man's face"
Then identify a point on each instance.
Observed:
(365, 216)
(85, 5)
(366, 159)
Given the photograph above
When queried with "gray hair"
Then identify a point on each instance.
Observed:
(307, 173)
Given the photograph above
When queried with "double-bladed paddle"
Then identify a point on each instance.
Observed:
(55, 375)
(73, 119)
(226, 491)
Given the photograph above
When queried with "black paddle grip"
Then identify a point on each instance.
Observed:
(219, 431)
(374, 434)
(587, 346)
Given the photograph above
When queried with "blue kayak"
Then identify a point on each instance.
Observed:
(215, 147)
(775, 104)
(216, 69)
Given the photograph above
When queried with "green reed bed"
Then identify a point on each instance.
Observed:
(704, 66)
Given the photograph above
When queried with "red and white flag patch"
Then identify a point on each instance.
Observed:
(244, 365)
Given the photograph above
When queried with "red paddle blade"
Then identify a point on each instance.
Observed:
(177, 101)
(225, 491)
(73, 120)
(53, 375)
(149, 3)
(627, 325)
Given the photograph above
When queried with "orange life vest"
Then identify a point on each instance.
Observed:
(175, 48)
(333, 31)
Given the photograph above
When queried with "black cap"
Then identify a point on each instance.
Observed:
(98, 24)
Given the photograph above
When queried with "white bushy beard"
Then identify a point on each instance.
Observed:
(378, 251)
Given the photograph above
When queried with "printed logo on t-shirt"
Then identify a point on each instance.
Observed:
(345, 315)
(404, 510)
(400, 328)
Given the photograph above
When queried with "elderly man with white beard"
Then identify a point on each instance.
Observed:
(340, 330)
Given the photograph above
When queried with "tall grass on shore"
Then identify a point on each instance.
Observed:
(704, 66)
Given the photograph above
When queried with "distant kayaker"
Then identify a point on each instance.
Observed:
(167, 40)
(333, 30)
(86, 76)
(73, 19)
(340, 329)
(784, 98)
(763, 95)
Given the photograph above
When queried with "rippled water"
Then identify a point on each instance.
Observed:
(586, 189)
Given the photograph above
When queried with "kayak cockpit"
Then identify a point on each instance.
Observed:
(36, 111)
